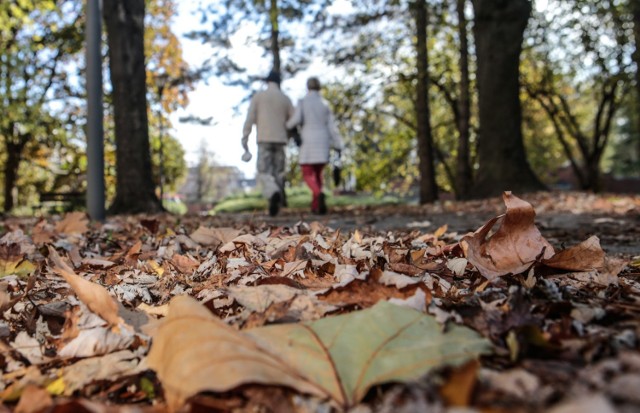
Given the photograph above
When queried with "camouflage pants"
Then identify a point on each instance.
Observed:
(271, 166)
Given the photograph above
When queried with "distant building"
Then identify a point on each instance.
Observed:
(209, 185)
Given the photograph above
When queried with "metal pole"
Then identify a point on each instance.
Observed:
(95, 131)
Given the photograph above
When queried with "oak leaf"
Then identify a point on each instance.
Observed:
(338, 357)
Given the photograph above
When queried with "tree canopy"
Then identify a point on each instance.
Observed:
(470, 98)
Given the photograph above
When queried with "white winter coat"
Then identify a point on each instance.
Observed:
(319, 132)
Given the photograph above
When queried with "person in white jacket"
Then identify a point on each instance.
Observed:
(269, 110)
(319, 134)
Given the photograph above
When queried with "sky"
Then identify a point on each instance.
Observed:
(217, 100)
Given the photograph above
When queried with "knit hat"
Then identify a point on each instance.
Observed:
(273, 77)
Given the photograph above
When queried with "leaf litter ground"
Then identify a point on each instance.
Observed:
(504, 305)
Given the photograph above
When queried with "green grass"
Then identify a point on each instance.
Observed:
(298, 198)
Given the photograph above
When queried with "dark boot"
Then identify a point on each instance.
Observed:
(322, 205)
(274, 204)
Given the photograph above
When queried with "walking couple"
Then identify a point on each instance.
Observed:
(274, 116)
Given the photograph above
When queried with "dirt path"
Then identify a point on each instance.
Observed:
(564, 219)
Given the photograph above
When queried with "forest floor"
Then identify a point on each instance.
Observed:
(382, 309)
(565, 218)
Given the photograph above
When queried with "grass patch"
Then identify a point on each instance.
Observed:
(299, 198)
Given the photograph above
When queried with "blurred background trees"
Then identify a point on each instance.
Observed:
(434, 97)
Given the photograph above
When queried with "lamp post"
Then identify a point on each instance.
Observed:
(95, 131)
(163, 81)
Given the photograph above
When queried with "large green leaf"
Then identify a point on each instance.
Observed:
(339, 357)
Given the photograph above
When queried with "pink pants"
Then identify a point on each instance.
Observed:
(312, 175)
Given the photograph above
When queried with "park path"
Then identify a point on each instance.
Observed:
(616, 221)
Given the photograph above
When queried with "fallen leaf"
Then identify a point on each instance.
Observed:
(34, 399)
(92, 295)
(588, 404)
(12, 261)
(97, 262)
(390, 278)
(184, 263)
(441, 231)
(457, 265)
(155, 267)
(418, 301)
(585, 256)
(74, 223)
(517, 382)
(214, 237)
(291, 268)
(160, 311)
(29, 376)
(458, 389)
(339, 357)
(30, 348)
(513, 248)
(108, 367)
(259, 298)
(41, 233)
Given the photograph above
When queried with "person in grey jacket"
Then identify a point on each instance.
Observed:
(319, 134)
(269, 110)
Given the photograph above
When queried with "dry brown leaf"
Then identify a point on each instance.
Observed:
(215, 343)
(41, 234)
(441, 231)
(585, 256)
(73, 223)
(34, 399)
(515, 246)
(214, 237)
(160, 311)
(458, 389)
(408, 269)
(93, 295)
(108, 367)
(291, 268)
(184, 264)
(134, 251)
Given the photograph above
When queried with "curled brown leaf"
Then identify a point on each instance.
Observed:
(513, 248)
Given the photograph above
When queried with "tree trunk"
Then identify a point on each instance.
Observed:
(275, 35)
(636, 58)
(14, 155)
(593, 175)
(463, 164)
(135, 191)
(428, 187)
(498, 30)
